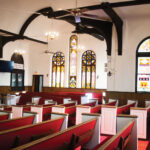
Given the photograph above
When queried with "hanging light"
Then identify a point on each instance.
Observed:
(51, 35)
(19, 52)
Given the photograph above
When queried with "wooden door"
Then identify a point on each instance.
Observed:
(37, 83)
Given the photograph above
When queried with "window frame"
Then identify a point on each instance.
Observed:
(56, 71)
(18, 59)
(86, 71)
(140, 54)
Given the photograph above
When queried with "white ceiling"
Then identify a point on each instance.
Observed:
(13, 13)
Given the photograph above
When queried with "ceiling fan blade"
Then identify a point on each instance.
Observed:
(66, 15)
(94, 17)
(91, 16)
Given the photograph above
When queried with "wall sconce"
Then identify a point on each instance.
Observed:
(109, 73)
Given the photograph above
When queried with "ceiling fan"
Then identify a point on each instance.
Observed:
(78, 13)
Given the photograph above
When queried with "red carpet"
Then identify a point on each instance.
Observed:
(143, 145)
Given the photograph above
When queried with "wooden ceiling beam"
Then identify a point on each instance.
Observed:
(98, 29)
(118, 24)
(12, 37)
(101, 6)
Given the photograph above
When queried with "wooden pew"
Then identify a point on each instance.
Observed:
(22, 135)
(29, 118)
(89, 109)
(5, 115)
(69, 110)
(125, 109)
(43, 112)
(126, 137)
(85, 134)
(109, 117)
(143, 115)
(68, 104)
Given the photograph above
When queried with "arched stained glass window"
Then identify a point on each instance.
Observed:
(58, 69)
(143, 66)
(73, 61)
(88, 69)
(17, 75)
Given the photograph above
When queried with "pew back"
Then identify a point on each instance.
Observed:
(62, 139)
(17, 122)
(28, 133)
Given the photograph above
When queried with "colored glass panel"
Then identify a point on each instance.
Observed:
(73, 60)
(93, 77)
(62, 76)
(83, 76)
(88, 69)
(143, 83)
(88, 82)
(145, 46)
(143, 67)
(58, 62)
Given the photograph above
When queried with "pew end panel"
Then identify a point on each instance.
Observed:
(58, 109)
(39, 111)
(65, 122)
(109, 121)
(79, 110)
(142, 114)
(17, 111)
(126, 137)
(95, 139)
(122, 121)
(29, 113)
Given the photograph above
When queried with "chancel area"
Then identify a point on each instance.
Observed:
(75, 74)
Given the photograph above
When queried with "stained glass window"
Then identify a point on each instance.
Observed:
(73, 61)
(88, 69)
(143, 66)
(58, 69)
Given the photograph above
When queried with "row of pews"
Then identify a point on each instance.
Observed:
(69, 126)
(40, 98)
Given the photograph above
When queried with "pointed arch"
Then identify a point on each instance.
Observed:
(143, 66)
(88, 69)
(58, 69)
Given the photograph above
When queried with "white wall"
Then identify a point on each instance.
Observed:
(41, 63)
(8, 51)
(123, 79)
(36, 61)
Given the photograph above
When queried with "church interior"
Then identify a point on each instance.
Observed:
(75, 74)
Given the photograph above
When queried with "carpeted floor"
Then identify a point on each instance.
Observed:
(143, 145)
